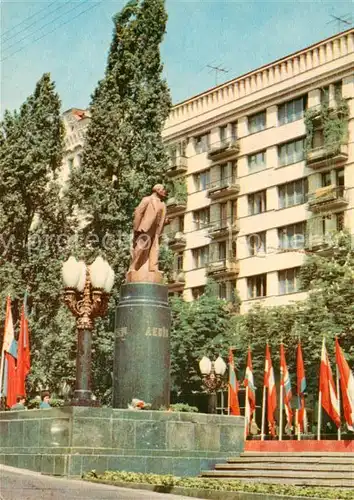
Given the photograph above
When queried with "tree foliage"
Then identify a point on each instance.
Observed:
(33, 220)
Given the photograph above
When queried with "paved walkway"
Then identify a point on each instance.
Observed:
(19, 484)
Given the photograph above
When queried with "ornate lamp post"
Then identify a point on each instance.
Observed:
(86, 294)
(212, 373)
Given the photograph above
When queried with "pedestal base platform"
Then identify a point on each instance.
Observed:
(71, 441)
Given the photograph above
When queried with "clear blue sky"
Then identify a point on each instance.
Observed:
(237, 35)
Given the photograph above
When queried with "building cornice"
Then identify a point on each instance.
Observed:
(288, 67)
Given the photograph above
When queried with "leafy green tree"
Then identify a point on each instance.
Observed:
(198, 329)
(33, 221)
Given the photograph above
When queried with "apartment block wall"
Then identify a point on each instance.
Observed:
(302, 74)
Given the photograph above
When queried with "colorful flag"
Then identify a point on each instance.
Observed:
(23, 353)
(250, 403)
(329, 399)
(300, 387)
(9, 333)
(9, 336)
(11, 381)
(286, 385)
(233, 387)
(347, 386)
(269, 383)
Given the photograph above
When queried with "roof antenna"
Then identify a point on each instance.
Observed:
(345, 20)
(217, 70)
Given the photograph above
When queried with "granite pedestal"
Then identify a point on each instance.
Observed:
(142, 346)
(73, 440)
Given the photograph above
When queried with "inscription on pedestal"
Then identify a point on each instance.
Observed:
(157, 332)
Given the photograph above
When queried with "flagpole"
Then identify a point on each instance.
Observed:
(319, 417)
(2, 364)
(247, 414)
(338, 396)
(263, 412)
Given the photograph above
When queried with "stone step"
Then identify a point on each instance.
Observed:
(296, 481)
(327, 467)
(292, 459)
(303, 474)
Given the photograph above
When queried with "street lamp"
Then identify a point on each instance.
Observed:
(212, 376)
(86, 294)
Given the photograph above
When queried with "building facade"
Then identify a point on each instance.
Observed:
(262, 173)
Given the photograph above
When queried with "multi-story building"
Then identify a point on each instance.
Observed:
(75, 122)
(262, 171)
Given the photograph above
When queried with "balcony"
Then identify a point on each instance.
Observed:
(321, 156)
(222, 228)
(176, 280)
(177, 166)
(223, 188)
(224, 149)
(176, 241)
(327, 198)
(223, 268)
(175, 205)
(319, 244)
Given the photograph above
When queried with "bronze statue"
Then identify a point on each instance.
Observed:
(149, 221)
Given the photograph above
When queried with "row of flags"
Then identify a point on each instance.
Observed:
(15, 356)
(329, 392)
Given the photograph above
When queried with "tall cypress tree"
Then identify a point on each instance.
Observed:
(124, 155)
(32, 224)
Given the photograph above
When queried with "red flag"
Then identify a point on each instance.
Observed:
(301, 386)
(269, 383)
(286, 385)
(23, 352)
(329, 399)
(347, 386)
(233, 387)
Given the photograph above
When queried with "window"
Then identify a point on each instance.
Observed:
(257, 286)
(338, 91)
(223, 214)
(292, 236)
(325, 95)
(233, 211)
(201, 217)
(326, 179)
(79, 159)
(70, 164)
(318, 139)
(257, 202)
(291, 152)
(179, 261)
(340, 221)
(234, 172)
(257, 161)
(293, 193)
(200, 256)
(223, 133)
(180, 223)
(202, 180)
(291, 111)
(222, 292)
(288, 281)
(233, 127)
(257, 243)
(222, 250)
(202, 143)
(197, 292)
(257, 122)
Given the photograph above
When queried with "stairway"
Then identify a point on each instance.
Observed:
(312, 469)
